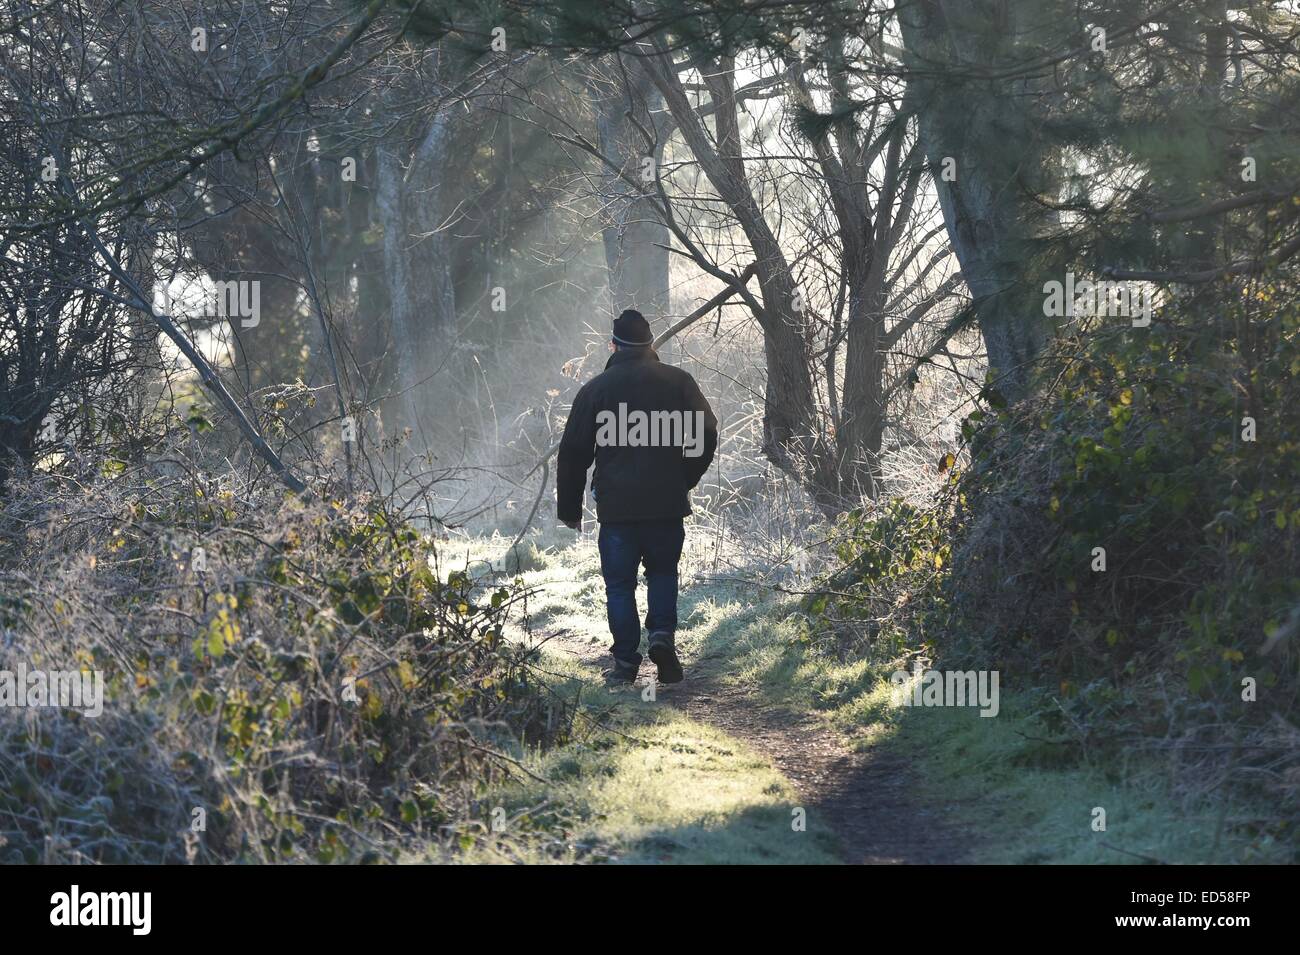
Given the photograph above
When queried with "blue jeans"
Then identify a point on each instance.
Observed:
(623, 548)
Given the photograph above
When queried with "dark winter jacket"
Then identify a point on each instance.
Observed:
(651, 433)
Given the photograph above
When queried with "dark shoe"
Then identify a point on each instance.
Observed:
(621, 673)
(665, 657)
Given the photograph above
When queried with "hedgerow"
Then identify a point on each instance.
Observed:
(1122, 547)
(285, 679)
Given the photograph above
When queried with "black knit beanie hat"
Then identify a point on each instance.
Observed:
(632, 329)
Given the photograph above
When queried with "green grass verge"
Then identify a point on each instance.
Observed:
(1021, 797)
(644, 783)
(671, 789)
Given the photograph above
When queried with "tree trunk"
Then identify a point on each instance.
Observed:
(397, 275)
(980, 147)
(792, 439)
(862, 429)
(431, 252)
(417, 263)
(636, 239)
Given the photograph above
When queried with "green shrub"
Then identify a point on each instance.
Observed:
(1135, 446)
(1135, 457)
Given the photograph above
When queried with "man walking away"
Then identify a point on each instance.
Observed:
(652, 435)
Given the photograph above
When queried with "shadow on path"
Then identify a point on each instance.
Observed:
(867, 800)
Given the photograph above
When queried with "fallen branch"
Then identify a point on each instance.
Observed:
(738, 283)
(206, 372)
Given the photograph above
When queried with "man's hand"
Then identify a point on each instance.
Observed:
(574, 525)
